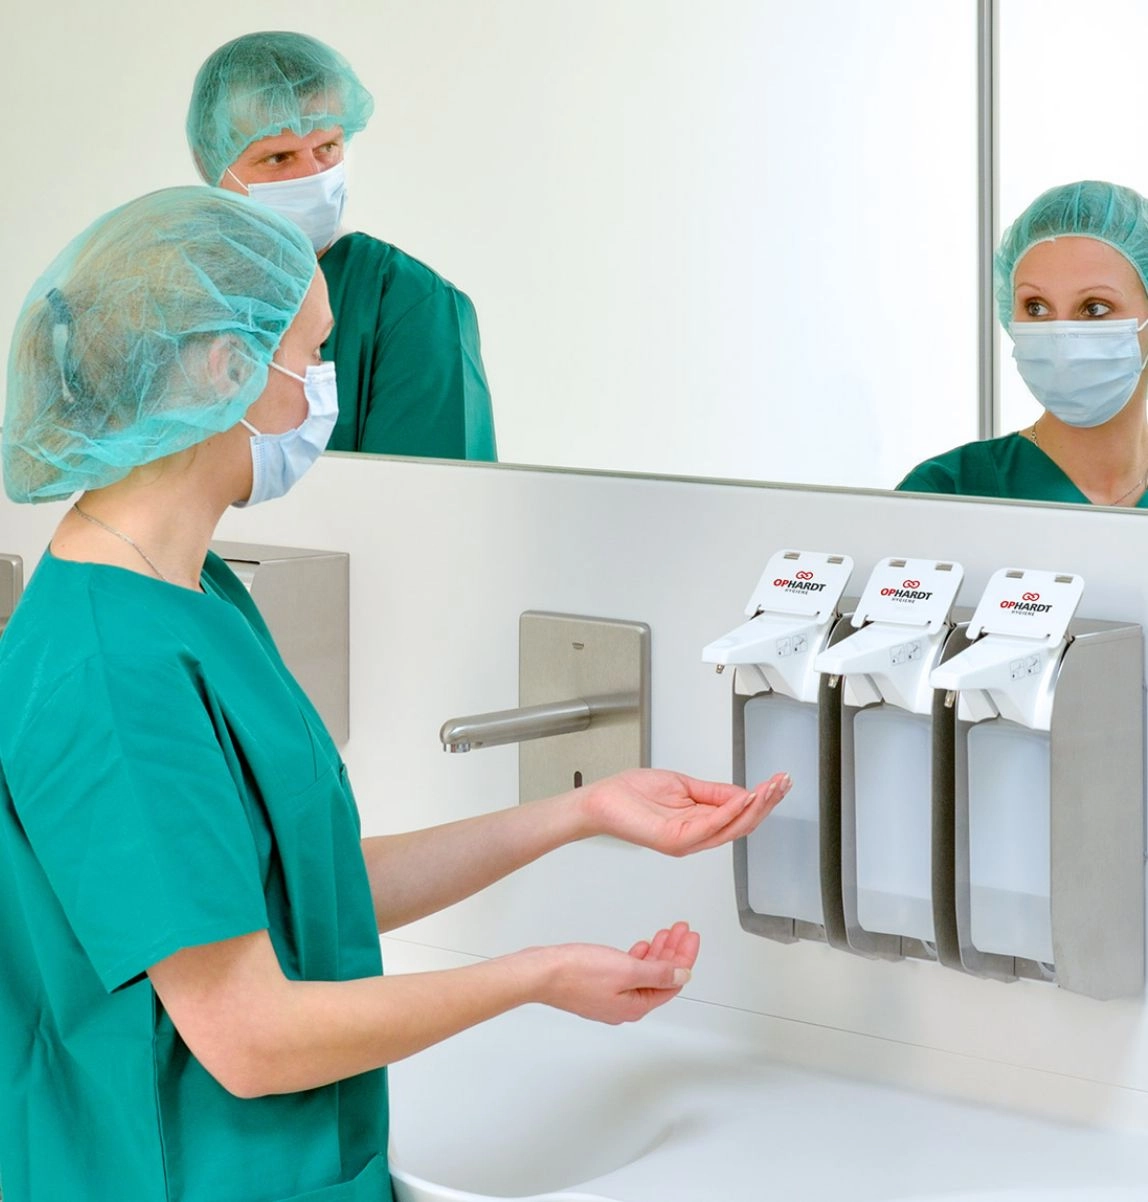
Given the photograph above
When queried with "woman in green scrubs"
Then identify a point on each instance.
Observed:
(1071, 279)
(192, 1006)
(269, 116)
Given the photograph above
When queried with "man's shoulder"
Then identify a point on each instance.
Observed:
(365, 254)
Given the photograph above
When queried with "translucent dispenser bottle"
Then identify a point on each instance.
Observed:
(899, 632)
(1048, 788)
(782, 890)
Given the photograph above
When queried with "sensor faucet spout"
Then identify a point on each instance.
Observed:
(531, 722)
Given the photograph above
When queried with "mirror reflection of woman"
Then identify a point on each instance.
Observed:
(1071, 282)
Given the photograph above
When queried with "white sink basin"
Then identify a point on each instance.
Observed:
(543, 1106)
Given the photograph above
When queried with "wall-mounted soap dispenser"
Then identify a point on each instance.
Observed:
(784, 872)
(888, 841)
(1048, 785)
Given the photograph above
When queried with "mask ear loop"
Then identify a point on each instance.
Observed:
(287, 372)
(235, 177)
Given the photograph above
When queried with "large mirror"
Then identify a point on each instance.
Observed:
(736, 239)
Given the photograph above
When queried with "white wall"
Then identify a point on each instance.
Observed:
(443, 561)
(731, 239)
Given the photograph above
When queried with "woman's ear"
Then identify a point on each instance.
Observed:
(228, 365)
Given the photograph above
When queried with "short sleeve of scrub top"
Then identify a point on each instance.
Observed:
(142, 836)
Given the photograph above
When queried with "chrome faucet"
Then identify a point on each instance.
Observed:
(533, 721)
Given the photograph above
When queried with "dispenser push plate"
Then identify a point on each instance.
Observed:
(801, 582)
(1027, 604)
(910, 592)
(561, 656)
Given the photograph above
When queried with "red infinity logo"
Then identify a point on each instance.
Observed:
(804, 575)
(1030, 597)
(910, 584)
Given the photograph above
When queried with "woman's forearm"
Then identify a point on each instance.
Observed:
(421, 872)
(257, 1032)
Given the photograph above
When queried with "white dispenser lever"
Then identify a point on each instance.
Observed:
(791, 610)
(1020, 631)
(903, 620)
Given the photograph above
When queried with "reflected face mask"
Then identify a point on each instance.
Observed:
(1082, 372)
(278, 461)
(314, 203)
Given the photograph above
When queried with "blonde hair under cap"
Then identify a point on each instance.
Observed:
(149, 332)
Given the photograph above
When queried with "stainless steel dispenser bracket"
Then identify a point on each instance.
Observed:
(586, 680)
(793, 613)
(1082, 681)
(304, 597)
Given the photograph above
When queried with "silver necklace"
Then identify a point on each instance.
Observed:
(1140, 484)
(131, 542)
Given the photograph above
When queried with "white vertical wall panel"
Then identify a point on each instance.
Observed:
(1069, 92)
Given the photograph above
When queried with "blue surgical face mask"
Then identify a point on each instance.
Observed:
(314, 203)
(279, 460)
(1082, 372)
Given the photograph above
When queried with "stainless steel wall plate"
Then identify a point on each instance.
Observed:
(604, 662)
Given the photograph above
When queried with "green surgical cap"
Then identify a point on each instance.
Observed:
(264, 83)
(149, 332)
(1088, 209)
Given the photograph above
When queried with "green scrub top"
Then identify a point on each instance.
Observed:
(1013, 467)
(407, 357)
(165, 783)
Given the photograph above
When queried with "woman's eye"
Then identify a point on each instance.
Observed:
(1097, 309)
(1035, 308)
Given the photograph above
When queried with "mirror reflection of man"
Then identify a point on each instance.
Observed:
(270, 116)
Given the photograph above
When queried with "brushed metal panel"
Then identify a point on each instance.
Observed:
(304, 597)
(562, 656)
(11, 586)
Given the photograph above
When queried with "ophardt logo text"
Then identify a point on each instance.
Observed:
(1027, 604)
(804, 583)
(910, 590)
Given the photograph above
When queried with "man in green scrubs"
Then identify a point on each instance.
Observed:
(269, 116)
